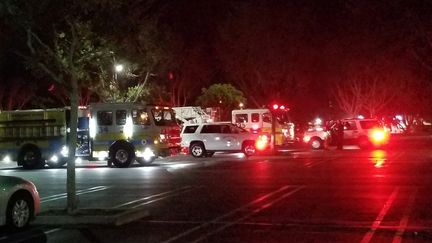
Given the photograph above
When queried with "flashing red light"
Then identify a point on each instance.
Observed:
(282, 107)
(262, 142)
(275, 106)
(379, 137)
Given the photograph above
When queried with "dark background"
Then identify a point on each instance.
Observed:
(291, 52)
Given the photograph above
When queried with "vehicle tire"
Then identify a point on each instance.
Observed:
(30, 157)
(209, 154)
(248, 148)
(19, 210)
(143, 161)
(121, 154)
(197, 150)
(316, 143)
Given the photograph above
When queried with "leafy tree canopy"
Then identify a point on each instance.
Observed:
(224, 96)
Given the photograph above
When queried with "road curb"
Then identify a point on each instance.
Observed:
(115, 217)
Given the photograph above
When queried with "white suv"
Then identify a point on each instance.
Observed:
(203, 140)
(362, 132)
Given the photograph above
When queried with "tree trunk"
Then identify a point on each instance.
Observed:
(73, 125)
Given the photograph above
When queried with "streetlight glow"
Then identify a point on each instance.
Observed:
(119, 68)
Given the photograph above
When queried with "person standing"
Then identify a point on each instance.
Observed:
(339, 134)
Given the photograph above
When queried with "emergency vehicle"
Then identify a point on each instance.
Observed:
(191, 115)
(31, 137)
(124, 132)
(260, 121)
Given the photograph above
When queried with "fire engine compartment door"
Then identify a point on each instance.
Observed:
(111, 122)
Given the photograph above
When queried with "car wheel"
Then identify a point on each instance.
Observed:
(30, 157)
(249, 149)
(197, 150)
(121, 154)
(19, 210)
(316, 143)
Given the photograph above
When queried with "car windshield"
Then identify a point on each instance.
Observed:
(163, 117)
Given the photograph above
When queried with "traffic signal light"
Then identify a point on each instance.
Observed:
(277, 107)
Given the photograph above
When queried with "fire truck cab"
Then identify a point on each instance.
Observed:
(125, 132)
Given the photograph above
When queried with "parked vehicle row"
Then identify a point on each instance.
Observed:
(362, 132)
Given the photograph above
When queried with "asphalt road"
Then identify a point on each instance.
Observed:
(305, 196)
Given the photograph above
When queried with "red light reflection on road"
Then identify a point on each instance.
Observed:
(378, 157)
(261, 172)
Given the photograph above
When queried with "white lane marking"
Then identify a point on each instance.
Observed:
(162, 198)
(79, 192)
(260, 199)
(48, 232)
(257, 210)
(380, 216)
(159, 197)
(62, 194)
(404, 221)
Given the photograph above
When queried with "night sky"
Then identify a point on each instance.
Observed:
(296, 52)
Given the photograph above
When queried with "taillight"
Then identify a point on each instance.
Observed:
(379, 136)
(262, 142)
(163, 136)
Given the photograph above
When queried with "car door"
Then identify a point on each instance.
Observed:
(230, 137)
(210, 135)
(351, 131)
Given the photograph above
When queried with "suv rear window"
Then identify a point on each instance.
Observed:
(190, 129)
(369, 124)
(211, 129)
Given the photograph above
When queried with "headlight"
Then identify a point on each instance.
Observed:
(64, 151)
(78, 161)
(100, 155)
(147, 154)
(7, 159)
(54, 159)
